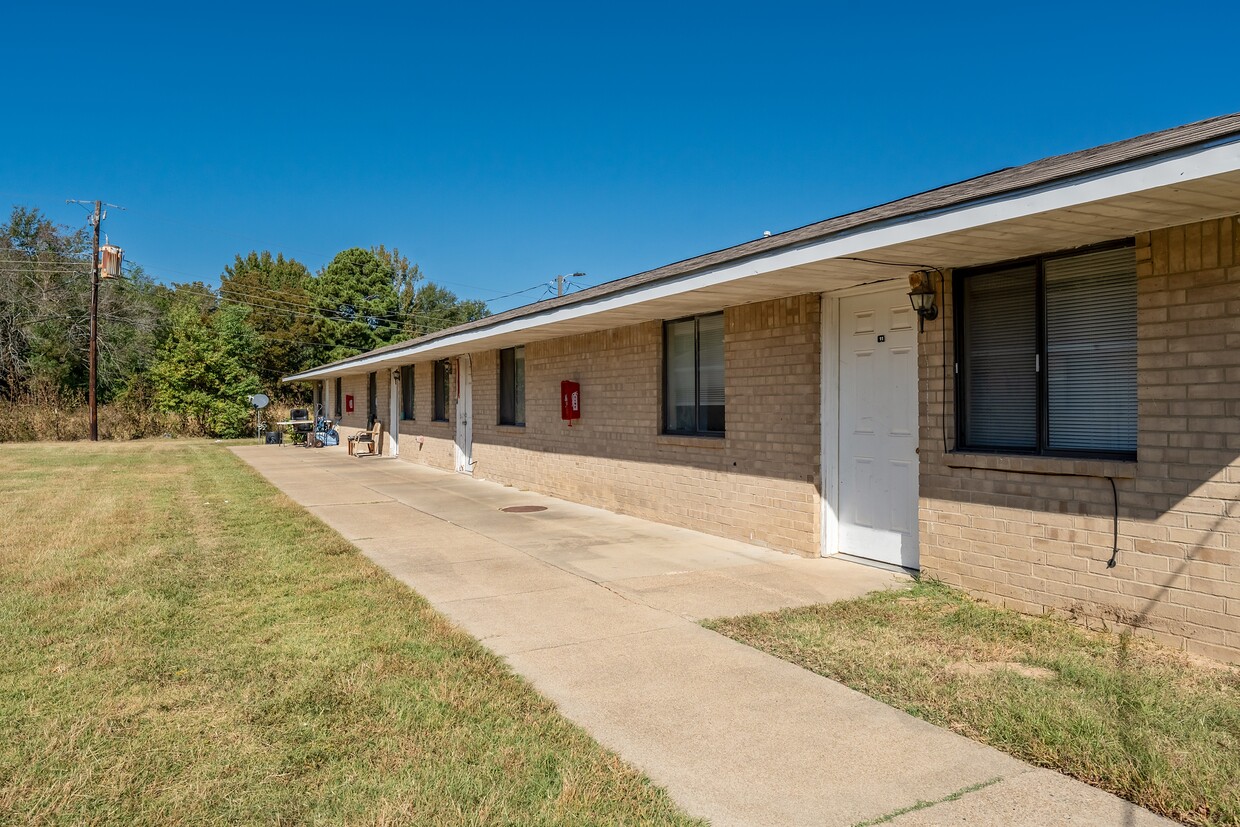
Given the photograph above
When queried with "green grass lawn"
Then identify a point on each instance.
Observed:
(181, 644)
(1123, 714)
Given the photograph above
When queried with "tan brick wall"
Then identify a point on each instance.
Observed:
(356, 384)
(1039, 541)
(424, 440)
(759, 483)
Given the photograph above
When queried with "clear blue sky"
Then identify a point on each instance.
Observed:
(498, 145)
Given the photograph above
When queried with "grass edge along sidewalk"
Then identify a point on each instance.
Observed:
(1121, 713)
(181, 644)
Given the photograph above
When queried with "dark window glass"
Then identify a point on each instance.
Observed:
(1091, 352)
(372, 400)
(512, 386)
(440, 390)
(406, 392)
(999, 358)
(338, 398)
(1047, 355)
(693, 381)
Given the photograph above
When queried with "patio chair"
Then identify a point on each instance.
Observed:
(368, 438)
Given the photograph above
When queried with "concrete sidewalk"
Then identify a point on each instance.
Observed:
(599, 612)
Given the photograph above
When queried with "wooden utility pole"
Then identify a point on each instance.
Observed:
(96, 219)
(112, 261)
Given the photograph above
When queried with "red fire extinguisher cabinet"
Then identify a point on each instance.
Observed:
(570, 401)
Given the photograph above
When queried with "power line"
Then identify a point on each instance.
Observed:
(391, 327)
(516, 293)
(266, 303)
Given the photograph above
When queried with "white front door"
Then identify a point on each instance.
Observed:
(877, 486)
(394, 414)
(464, 417)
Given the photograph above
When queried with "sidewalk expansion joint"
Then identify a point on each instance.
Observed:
(587, 640)
(347, 505)
(501, 594)
(924, 805)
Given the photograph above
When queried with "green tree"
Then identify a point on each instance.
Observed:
(277, 291)
(202, 371)
(44, 303)
(423, 306)
(432, 308)
(406, 276)
(356, 304)
(45, 274)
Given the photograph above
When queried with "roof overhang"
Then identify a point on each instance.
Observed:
(1190, 184)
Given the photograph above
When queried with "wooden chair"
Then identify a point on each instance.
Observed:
(369, 438)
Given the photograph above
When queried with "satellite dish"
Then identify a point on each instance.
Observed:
(259, 400)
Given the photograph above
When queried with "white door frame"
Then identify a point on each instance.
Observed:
(464, 444)
(830, 407)
(394, 412)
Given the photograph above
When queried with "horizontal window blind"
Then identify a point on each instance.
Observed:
(679, 365)
(999, 359)
(710, 373)
(1091, 351)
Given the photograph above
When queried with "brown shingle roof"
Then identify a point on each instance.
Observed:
(1005, 181)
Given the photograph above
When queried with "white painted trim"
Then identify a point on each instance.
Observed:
(829, 410)
(1137, 176)
(463, 442)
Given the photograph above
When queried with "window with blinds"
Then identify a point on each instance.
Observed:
(440, 389)
(693, 383)
(1091, 352)
(999, 359)
(1047, 355)
(406, 392)
(512, 386)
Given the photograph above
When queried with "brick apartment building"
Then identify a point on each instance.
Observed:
(1061, 432)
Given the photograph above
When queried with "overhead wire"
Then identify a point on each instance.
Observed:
(427, 319)
(274, 293)
(258, 300)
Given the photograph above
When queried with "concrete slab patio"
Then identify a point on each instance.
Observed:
(599, 611)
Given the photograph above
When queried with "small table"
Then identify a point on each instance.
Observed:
(295, 422)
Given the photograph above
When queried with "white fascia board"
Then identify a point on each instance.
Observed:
(1188, 165)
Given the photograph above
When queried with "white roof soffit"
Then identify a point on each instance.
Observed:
(1192, 184)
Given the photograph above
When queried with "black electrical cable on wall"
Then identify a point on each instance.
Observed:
(1114, 524)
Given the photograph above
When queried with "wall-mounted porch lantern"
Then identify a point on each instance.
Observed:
(922, 297)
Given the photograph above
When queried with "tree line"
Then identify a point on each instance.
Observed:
(184, 356)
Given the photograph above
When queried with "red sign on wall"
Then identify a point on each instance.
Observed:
(348, 403)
